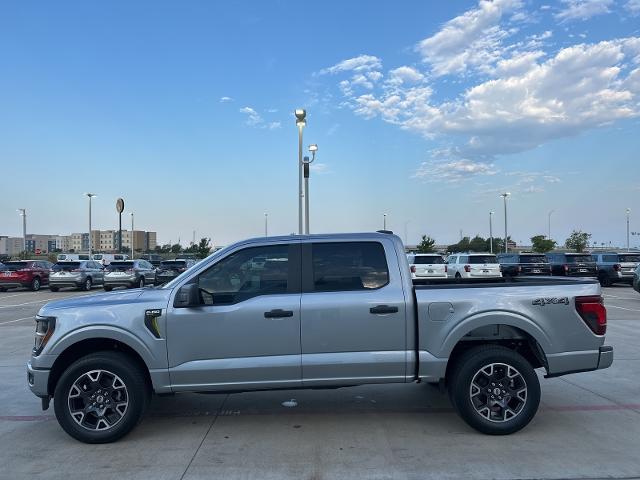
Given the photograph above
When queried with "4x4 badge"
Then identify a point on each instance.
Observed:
(551, 301)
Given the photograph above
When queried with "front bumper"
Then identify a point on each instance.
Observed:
(38, 380)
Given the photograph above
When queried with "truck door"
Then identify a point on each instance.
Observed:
(246, 332)
(353, 314)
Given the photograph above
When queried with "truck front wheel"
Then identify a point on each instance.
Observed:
(494, 389)
(101, 397)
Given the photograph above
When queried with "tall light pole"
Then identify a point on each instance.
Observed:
(307, 164)
(266, 224)
(549, 224)
(628, 212)
(301, 116)
(23, 214)
(132, 237)
(384, 221)
(406, 241)
(506, 243)
(90, 195)
(491, 231)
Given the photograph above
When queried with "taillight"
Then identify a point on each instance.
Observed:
(593, 312)
(467, 268)
(566, 268)
(617, 267)
(413, 269)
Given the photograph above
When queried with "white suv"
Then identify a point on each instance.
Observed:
(427, 265)
(473, 265)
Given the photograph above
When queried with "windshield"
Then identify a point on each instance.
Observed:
(13, 266)
(629, 258)
(428, 260)
(173, 264)
(533, 259)
(66, 266)
(579, 259)
(476, 259)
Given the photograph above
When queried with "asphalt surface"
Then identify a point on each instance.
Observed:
(588, 425)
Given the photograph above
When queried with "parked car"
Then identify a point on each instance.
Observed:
(615, 267)
(427, 265)
(170, 269)
(153, 258)
(25, 273)
(514, 264)
(572, 264)
(129, 273)
(473, 265)
(323, 311)
(83, 274)
(636, 279)
(105, 259)
(72, 257)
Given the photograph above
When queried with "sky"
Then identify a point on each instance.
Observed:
(424, 111)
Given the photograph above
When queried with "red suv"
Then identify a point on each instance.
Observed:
(24, 273)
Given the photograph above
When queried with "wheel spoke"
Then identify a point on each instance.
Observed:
(498, 392)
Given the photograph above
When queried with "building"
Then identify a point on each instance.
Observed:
(36, 243)
(10, 245)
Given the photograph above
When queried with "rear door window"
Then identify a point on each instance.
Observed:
(349, 266)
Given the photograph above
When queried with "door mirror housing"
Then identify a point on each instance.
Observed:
(188, 296)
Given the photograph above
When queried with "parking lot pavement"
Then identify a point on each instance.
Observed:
(588, 425)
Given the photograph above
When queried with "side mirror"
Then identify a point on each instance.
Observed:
(188, 296)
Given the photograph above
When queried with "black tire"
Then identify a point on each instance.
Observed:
(604, 279)
(54, 289)
(35, 284)
(107, 288)
(88, 283)
(497, 420)
(113, 365)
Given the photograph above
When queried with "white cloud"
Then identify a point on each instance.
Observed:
(583, 9)
(226, 99)
(405, 74)
(452, 171)
(320, 168)
(361, 63)
(470, 41)
(633, 7)
(274, 125)
(253, 117)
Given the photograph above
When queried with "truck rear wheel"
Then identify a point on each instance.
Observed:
(101, 397)
(494, 389)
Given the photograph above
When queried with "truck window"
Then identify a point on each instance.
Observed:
(246, 274)
(348, 266)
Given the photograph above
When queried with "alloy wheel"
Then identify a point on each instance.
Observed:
(498, 392)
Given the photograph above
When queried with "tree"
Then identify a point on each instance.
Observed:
(427, 245)
(478, 244)
(204, 247)
(541, 244)
(176, 248)
(578, 240)
(461, 246)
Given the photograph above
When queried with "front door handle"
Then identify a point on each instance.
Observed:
(278, 313)
(381, 309)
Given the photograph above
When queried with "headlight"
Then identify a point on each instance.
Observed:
(44, 330)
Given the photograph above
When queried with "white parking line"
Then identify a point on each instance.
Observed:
(14, 295)
(622, 308)
(621, 298)
(18, 320)
(27, 303)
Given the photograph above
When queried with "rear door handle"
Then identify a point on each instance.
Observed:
(380, 309)
(278, 313)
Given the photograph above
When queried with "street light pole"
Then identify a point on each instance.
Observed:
(506, 243)
(23, 214)
(266, 224)
(90, 195)
(132, 237)
(628, 212)
(549, 224)
(301, 115)
(307, 165)
(491, 231)
(384, 221)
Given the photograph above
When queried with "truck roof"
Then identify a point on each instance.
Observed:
(324, 236)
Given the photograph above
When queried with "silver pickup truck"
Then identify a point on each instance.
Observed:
(313, 312)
